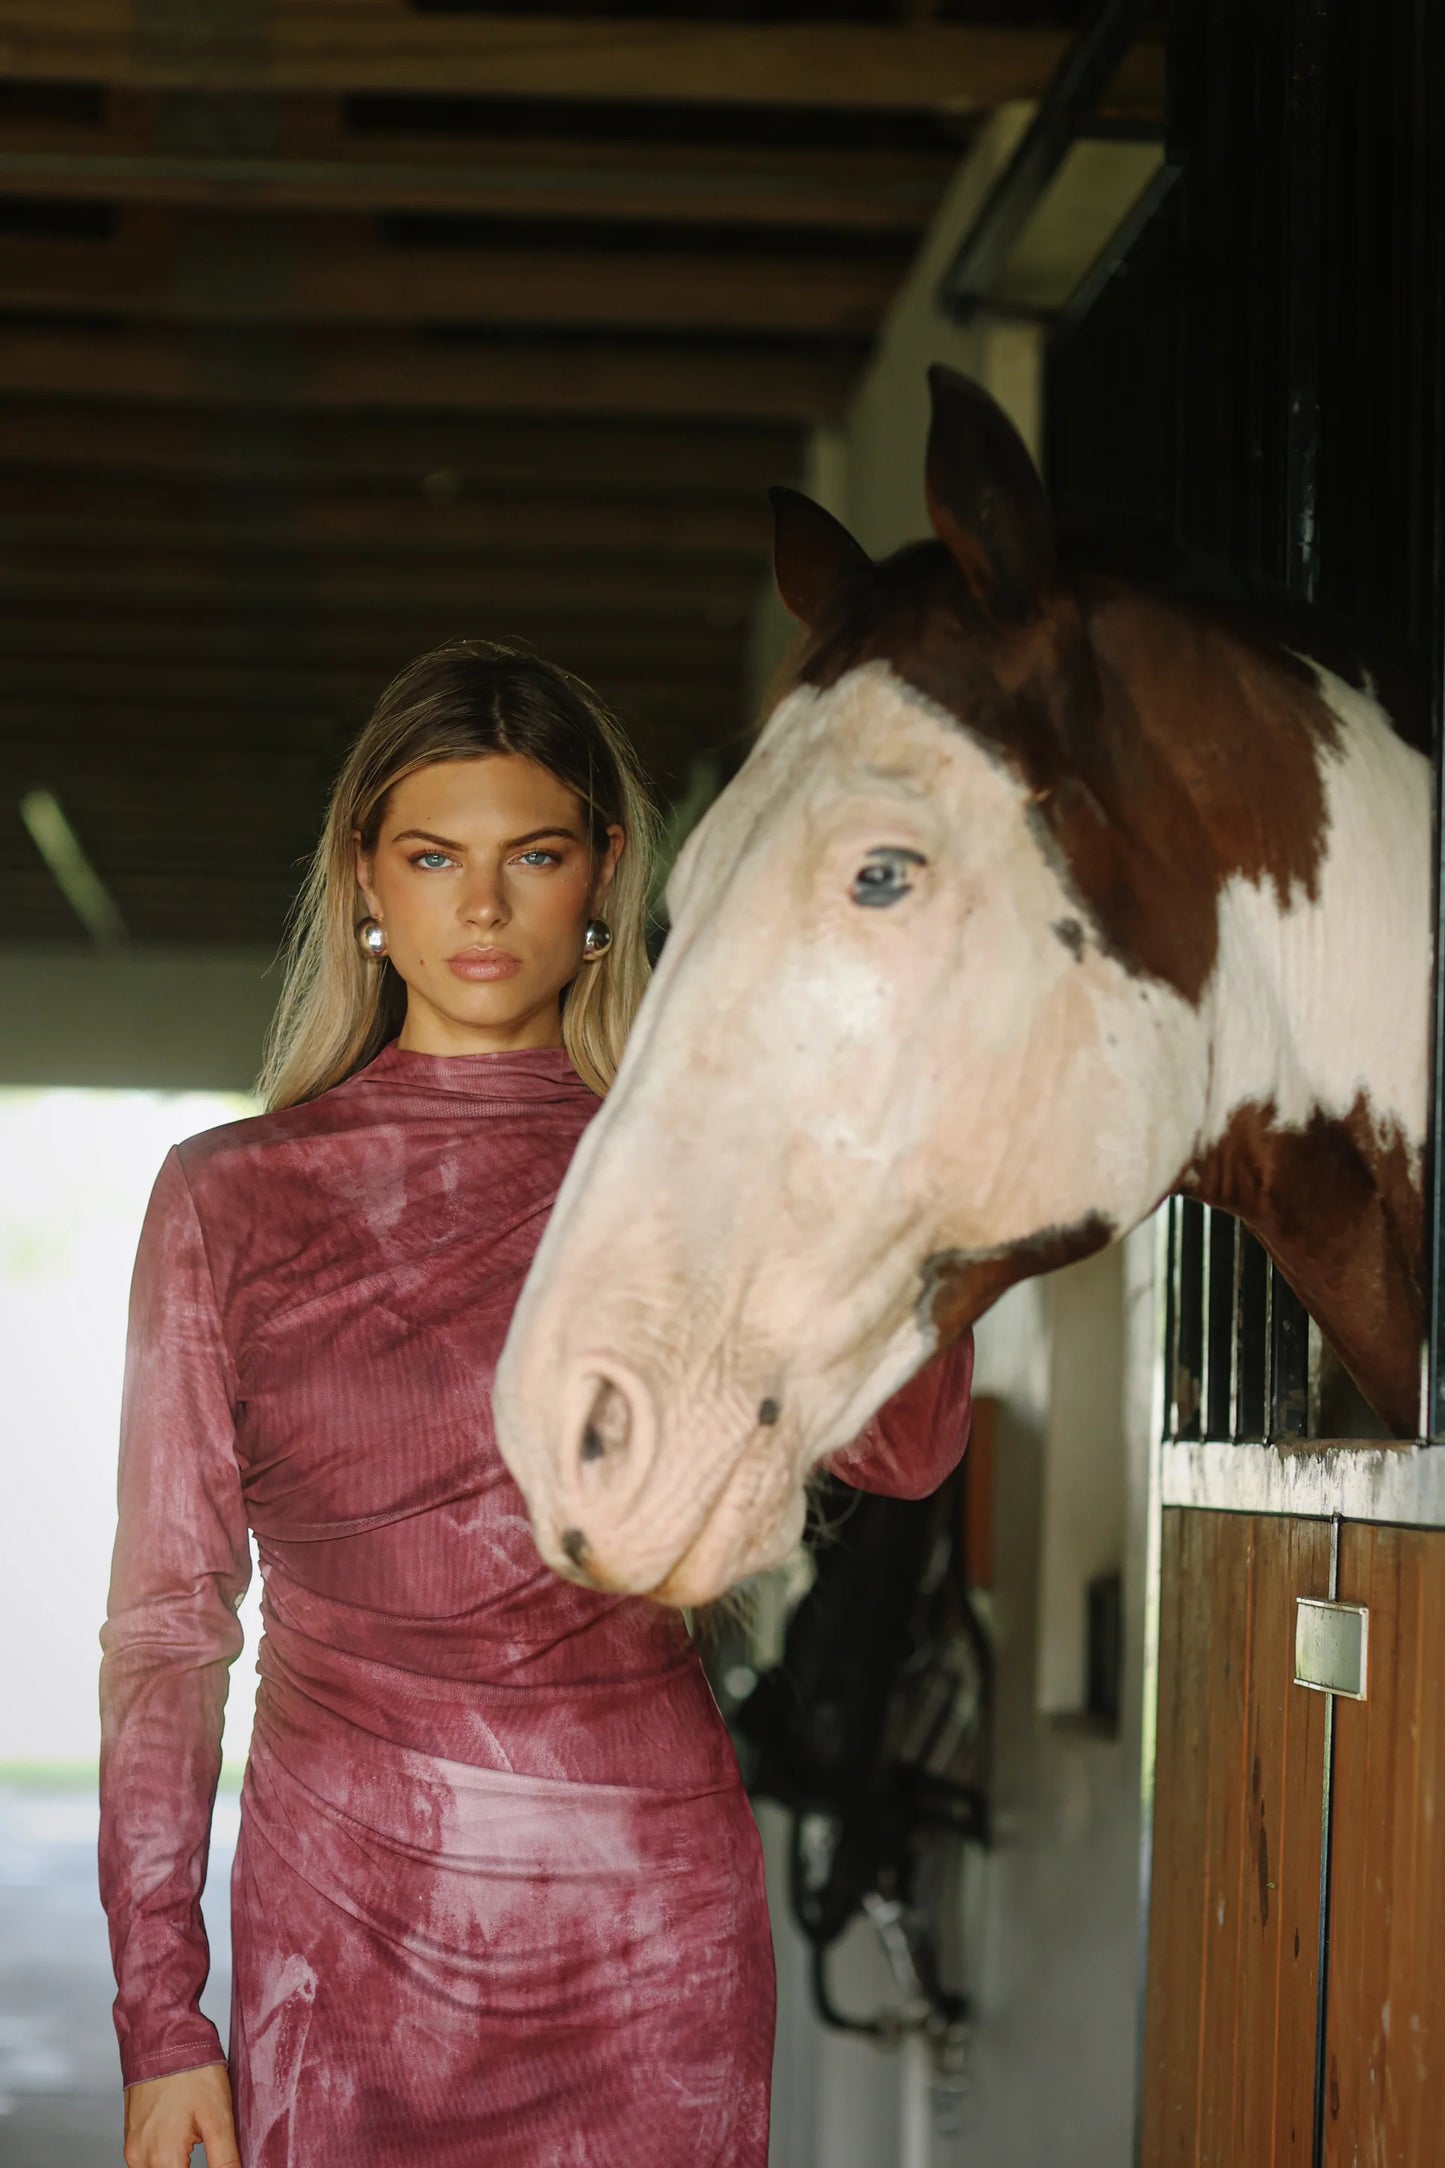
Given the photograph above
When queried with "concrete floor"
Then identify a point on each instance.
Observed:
(60, 2097)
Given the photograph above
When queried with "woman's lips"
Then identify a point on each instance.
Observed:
(484, 963)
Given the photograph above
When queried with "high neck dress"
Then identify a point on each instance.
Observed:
(498, 1894)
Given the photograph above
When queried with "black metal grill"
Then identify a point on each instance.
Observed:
(1238, 1342)
(1263, 378)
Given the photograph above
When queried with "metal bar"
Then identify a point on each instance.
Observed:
(1305, 136)
(1116, 253)
(1251, 1356)
(1434, 1409)
(1219, 1323)
(1289, 1360)
(1168, 1261)
(1188, 1352)
(1433, 1414)
(1305, 123)
(1082, 77)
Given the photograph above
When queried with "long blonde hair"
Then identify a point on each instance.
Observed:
(337, 1008)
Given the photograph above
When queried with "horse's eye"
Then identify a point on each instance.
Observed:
(883, 877)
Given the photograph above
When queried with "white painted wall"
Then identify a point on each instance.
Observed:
(1050, 1921)
(1046, 1935)
(1082, 1505)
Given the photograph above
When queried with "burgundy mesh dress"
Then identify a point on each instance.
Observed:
(498, 1895)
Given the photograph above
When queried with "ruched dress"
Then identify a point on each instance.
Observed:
(498, 1894)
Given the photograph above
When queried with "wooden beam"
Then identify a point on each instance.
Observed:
(317, 163)
(327, 271)
(41, 739)
(666, 379)
(340, 45)
(480, 600)
(107, 512)
(128, 758)
(775, 194)
(207, 698)
(374, 645)
(437, 458)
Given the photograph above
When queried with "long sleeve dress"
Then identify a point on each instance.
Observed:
(498, 1894)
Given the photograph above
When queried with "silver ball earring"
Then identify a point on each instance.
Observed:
(371, 938)
(597, 940)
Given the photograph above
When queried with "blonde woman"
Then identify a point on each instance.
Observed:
(498, 1895)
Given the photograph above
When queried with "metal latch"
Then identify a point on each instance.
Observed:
(1331, 1641)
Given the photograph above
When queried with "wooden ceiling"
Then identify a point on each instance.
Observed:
(330, 329)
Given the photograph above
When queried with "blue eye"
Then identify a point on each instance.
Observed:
(432, 860)
(540, 857)
(883, 877)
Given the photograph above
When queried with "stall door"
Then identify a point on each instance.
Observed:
(1238, 2070)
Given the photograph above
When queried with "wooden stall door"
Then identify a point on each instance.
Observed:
(1385, 2027)
(1230, 2017)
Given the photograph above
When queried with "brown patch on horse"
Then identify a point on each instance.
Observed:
(959, 1285)
(1341, 1212)
(1241, 723)
(1162, 753)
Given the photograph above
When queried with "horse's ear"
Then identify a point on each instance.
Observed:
(985, 499)
(813, 555)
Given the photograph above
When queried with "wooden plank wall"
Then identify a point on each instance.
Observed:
(1229, 2049)
(1385, 2043)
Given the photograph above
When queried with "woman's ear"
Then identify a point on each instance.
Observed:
(607, 864)
(363, 875)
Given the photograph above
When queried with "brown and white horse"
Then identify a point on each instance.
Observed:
(1038, 899)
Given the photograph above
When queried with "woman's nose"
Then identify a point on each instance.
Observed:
(485, 903)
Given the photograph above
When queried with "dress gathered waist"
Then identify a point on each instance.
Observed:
(462, 1817)
(656, 1733)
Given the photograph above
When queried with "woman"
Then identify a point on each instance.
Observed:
(497, 1896)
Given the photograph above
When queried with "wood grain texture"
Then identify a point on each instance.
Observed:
(383, 45)
(305, 155)
(661, 379)
(1234, 1910)
(682, 590)
(117, 512)
(219, 268)
(637, 460)
(1385, 2039)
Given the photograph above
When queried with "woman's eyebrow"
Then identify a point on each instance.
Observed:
(514, 843)
(424, 835)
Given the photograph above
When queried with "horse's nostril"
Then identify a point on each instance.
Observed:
(607, 1431)
(768, 1413)
(574, 1543)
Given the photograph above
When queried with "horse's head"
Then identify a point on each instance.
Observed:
(928, 1021)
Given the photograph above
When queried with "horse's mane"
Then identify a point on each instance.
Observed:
(1146, 554)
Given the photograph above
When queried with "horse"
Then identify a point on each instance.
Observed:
(1039, 897)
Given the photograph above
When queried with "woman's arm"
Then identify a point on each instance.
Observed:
(919, 1436)
(181, 1566)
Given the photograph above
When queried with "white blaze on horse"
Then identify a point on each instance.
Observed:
(1039, 898)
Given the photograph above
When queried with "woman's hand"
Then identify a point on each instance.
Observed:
(165, 2117)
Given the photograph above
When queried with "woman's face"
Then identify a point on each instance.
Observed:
(483, 881)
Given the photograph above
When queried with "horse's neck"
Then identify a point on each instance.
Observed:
(1316, 1110)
